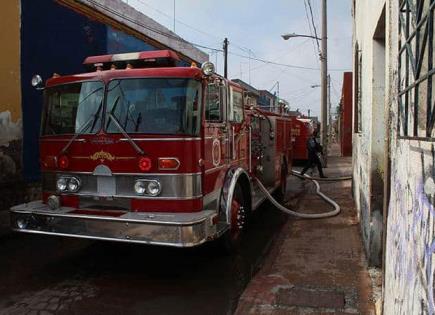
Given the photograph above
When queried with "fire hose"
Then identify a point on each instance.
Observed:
(332, 213)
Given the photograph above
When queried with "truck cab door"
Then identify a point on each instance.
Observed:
(237, 131)
(215, 127)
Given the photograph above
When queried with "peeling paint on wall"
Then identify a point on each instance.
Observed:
(9, 131)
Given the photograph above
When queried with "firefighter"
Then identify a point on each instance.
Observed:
(314, 154)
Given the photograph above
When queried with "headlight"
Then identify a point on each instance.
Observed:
(208, 68)
(153, 188)
(62, 184)
(139, 187)
(147, 187)
(73, 184)
(68, 184)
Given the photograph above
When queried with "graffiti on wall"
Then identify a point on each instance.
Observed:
(411, 239)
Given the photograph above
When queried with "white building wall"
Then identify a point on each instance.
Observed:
(366, 17)
(410, 220)
(409, 266)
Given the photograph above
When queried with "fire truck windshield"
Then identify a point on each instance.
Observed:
(73, 108)
(153, 106)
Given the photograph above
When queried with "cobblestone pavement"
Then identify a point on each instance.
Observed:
(52, 275)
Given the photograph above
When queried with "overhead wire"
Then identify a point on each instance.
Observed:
(314, 24)
(316, 53)
(180, 39)
(244, 49)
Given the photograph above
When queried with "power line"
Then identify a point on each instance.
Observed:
(316, 53)
(244, 49)
(282, 64)
(177, 20)
(177, 38)
(314, 24)
(281, 56)
(162, 33)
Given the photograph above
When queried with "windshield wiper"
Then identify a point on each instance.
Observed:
(83, 129)
(124, 133)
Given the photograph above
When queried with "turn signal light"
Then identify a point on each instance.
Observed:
(145, 164)
(63, 162)
(168, 163)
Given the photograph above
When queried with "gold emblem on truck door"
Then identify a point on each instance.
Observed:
(103, 156)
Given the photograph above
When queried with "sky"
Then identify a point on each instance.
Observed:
(254, 29)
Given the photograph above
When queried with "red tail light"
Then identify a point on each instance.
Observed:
(63, 162)
(168, 164)
(145, 164)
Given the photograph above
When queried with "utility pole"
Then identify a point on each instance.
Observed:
(329, 109)
(324, 83)
(249, 65)
(174, 16)
(226, 58)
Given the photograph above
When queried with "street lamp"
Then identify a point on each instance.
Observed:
(293, 35)
(323, 75)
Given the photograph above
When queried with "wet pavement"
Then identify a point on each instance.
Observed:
(54, 275)
(316, 266)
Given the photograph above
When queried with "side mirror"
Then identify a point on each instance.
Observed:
(37, 82)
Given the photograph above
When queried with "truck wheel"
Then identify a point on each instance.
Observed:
(231, 239)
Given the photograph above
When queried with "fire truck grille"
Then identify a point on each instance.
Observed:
(176, 186)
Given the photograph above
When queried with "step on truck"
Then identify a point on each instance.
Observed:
(140, 150)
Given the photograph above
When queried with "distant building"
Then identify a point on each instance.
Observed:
(345, 116)
(393, 147)
(267, 100)
(252, 93)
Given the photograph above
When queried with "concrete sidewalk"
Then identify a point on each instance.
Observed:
(316, 266)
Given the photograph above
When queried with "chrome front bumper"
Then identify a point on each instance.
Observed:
(169, 229)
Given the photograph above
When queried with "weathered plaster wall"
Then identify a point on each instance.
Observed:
(410, 243)
(410, 220)
(10, 97)
(365, 145)
(10, 53)
(409, 273)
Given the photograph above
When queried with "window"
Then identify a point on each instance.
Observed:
(236, 106)
(153, 106)
(213, 105)
(416, 97)
(73, 108)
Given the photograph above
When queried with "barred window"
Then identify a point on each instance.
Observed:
(416, 98)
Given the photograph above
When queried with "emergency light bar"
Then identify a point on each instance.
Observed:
(144, 59)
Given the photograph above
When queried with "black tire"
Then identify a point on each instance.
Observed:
(230, 241)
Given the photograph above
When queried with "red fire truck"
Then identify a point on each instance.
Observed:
(141, 150)
(302, 129)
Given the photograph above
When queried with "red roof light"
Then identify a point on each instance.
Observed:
(137, 59)
(145, 164)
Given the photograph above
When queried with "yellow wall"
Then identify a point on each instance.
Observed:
(10, 86)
